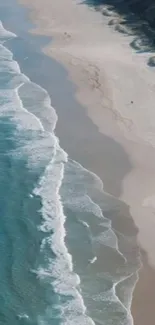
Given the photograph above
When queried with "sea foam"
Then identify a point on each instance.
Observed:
(19, 90)
(29, 107)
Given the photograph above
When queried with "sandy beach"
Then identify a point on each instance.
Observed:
(117, 89)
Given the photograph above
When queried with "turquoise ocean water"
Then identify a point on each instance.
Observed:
(61, 259)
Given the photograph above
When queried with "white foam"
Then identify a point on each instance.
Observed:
(109, 238)
(66, 281)
(5, 34)
(75, 189)
(40, 98)
(23, 316)
(42, 146)
(32, 116)
(111, 297)
(93, 260)
(61, 268)
(75, 196)
(84, 223)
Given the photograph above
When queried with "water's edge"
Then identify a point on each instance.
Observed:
(46, 125)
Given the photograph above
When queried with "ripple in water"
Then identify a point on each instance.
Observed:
(61, 261)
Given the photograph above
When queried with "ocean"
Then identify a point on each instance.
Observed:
(65, 257)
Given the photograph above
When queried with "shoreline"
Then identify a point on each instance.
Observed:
(108, 127)
(109, 115)
(144, 295)
(128, 128)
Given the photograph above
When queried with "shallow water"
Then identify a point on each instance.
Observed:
(64, 257)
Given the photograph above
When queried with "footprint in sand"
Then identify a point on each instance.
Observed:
(67, 35)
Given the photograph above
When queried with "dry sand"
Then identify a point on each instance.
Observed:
(117, 89)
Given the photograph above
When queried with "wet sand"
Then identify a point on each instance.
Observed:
(144, 295)
(123, 154)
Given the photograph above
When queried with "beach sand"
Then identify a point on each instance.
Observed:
(117, 89)
(144, 295)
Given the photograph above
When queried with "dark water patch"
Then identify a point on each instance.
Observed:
(133, 17)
